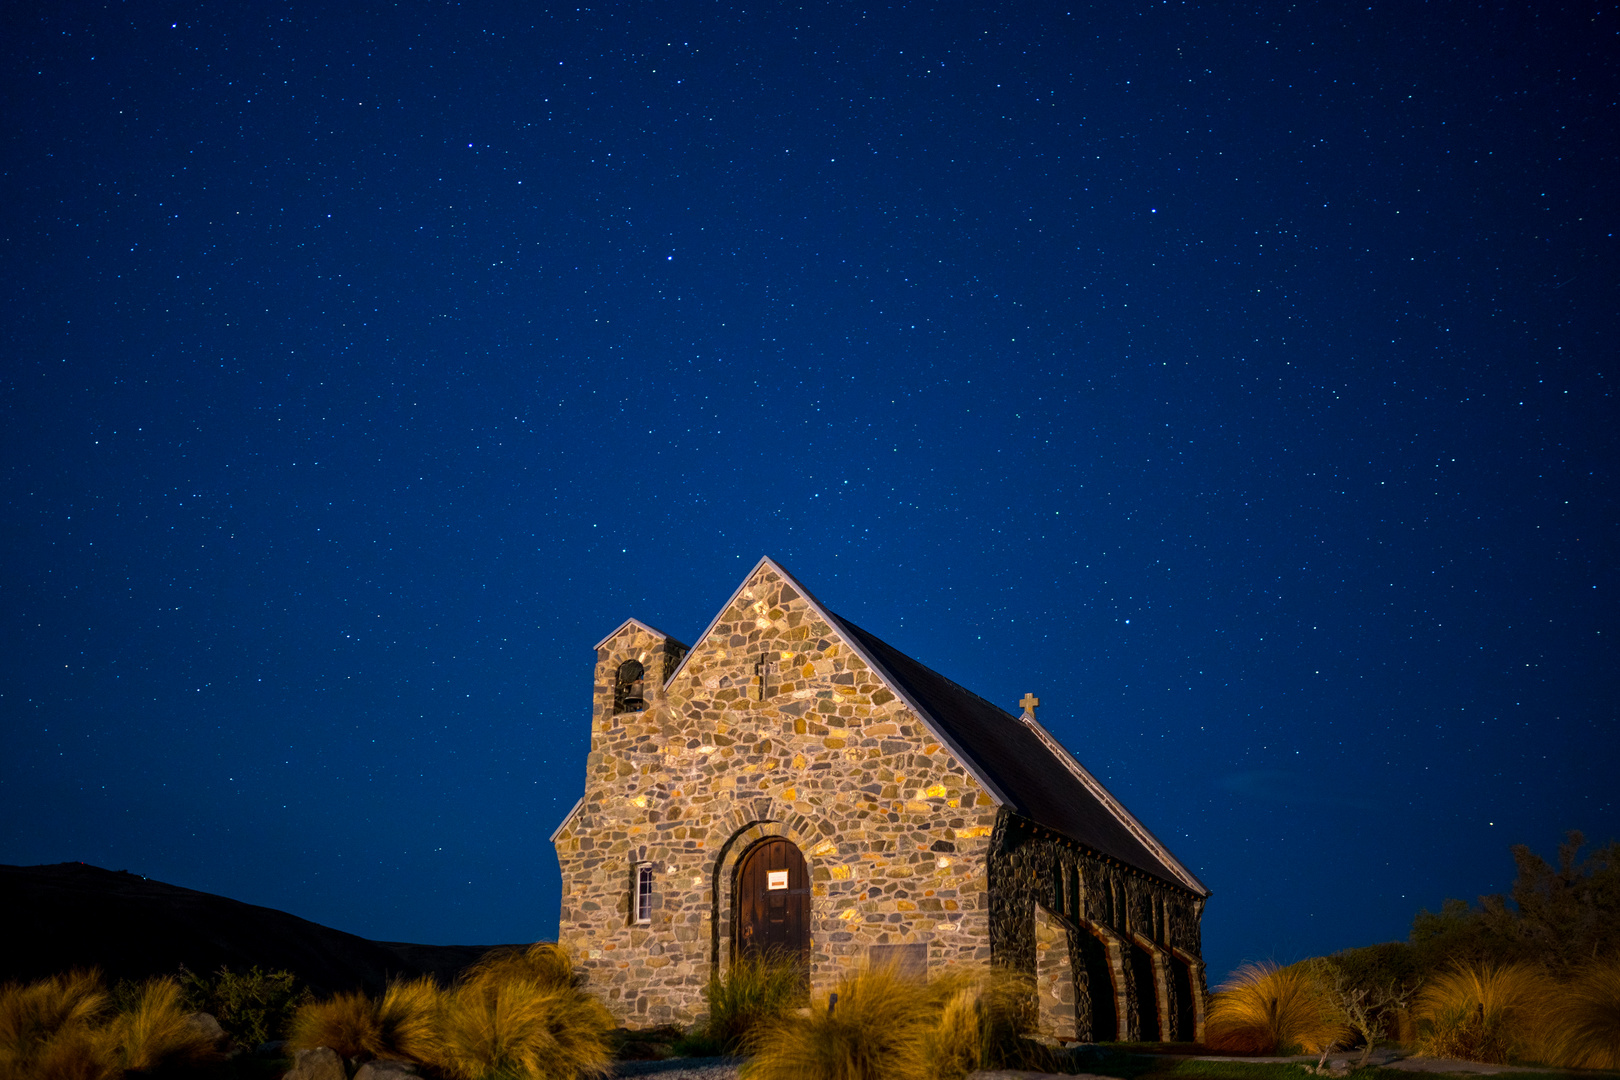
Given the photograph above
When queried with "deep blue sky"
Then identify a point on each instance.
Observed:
(1239, 379)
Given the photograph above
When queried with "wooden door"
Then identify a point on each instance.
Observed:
(773, 902)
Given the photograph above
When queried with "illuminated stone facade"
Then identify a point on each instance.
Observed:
(780, 722)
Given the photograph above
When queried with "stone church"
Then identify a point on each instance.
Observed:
(793, 784)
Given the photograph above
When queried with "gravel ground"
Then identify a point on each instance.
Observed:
(714, 1068)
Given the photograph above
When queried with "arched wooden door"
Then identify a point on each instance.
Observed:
(773, 902)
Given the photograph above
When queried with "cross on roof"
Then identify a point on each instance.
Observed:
(1029, 702)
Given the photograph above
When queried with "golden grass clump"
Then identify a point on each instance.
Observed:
(62, 1028)
(408, 1021)
(757, 991)
(156, 1030)
(1266, 1009)
(346, 1023)
(522, 1027)
(884, 1027)
(544, 962)
(1487, 1013)
(1585, 1019)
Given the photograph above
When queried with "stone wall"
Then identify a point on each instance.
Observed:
(1126, 931)
(773, 726)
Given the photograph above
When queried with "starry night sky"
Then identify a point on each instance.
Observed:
(1237, 378)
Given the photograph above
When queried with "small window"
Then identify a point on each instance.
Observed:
(644, 893)
(628, 686)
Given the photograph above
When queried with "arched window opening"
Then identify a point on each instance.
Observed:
(628, 693)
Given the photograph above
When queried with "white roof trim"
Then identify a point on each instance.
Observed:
(1115, 807)
(633, 622)
(564, 823)
(888, 680)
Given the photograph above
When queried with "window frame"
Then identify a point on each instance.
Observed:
(641, 896)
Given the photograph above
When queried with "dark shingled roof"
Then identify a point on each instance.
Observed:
(1007, 752)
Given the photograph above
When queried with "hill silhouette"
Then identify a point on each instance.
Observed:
(71, 915)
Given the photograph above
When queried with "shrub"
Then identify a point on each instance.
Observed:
(1484, 1012)
(1587, 1032)
(884, 1027)
(521, 1027)
(156, 1031)
(253, 1007)
(1266, 1009)
(755, 992)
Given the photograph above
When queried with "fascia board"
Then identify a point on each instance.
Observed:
(633, 622)
(1115, 807)
(564, 823)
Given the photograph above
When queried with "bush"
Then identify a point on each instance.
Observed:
(755, 992)
(1266, 1009)
(1484, 1012)
(253, 1007)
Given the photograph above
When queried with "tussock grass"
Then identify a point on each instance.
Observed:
(520, 1027)
(519, 1015)
(1486, 1012)
(346, 1023)
(883, 1028)
(756, 992)
(155, 1031)
(62, 1028)
(1266, 1009)
(544, 962)
(1584, 1016)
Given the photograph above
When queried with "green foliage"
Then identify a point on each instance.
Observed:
(1266, 1009)
(253, 1007)
(755, 992)
(1560, 919)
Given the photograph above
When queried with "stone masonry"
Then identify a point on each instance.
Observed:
(772, 725)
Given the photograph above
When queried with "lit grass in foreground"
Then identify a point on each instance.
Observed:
(63, 1028)
(1266, 1009)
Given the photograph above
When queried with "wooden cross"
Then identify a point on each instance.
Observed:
(1029, 702)
(759, 673)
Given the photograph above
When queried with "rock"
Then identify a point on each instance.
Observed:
(386, 1070)
(321, 1063)
(205, 1025)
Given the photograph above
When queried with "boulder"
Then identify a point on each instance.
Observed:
(321, 1063)
(387, 1070)
(205, 1025)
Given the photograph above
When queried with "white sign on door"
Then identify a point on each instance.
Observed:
(776, 879)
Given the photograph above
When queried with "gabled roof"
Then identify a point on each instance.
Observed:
(654, 631)
(1029, 769)
(1019, 763)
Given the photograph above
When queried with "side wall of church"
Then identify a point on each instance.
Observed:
(773, 727)
(1135, 955)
